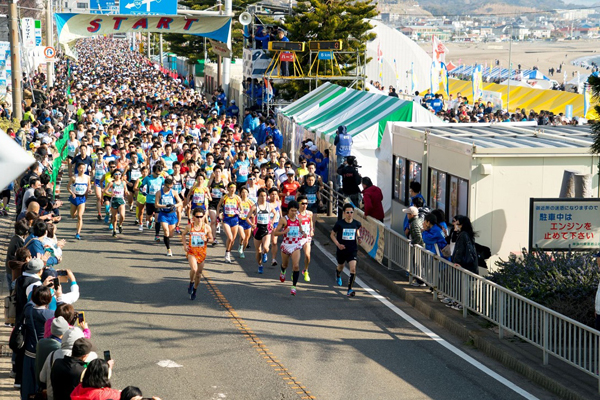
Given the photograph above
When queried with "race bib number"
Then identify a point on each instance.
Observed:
(229, 209)
(197, 239)
(189, 182)
(118, 191)
(217, 193)
(288, 199)
(262, 218)
(177, 187)
(167, 200)
(80, 190)
(154, 187)
(306, 228)
(243, 170)
(135, 174)
(99, 173)
(294, 232)
(198, 198)
(349, 234)
(312, 198)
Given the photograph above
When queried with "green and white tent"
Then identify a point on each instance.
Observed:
(364, 114)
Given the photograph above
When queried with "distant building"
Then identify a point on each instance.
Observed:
(76, 6)
(4, 29)
(425, 32)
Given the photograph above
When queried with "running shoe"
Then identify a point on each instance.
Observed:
(293, 291)
(351, 293)
(191, 288)
(260, 269)
(456, 306)
(121, 228)
(215, 242)
(241, 250)
(106, 219)
(306, 275)
(157, 238)
(141, 228)
(274, 263)
(77, 236)
(99, 217)
(193, 295)
(228, 258)
(147, 224)
(111, 227)
(131, 207)
(242, 255)
(282, 276)
(265, 257)
(177, 230)
(114, 233)
(339, 281)
(151, 224)
(169, 253)
(218, 228)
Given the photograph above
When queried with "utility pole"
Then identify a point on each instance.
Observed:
(148, 46)
(227, 60)
(15, 57)
(161, 48)
(49, 42)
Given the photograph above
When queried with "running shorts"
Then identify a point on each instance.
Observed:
(244, 224)
(231, 221)
(77, 200)
(169, 218)
(345, 256)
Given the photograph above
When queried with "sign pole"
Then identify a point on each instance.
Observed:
(160, 36)
(148, 46)
(15, 54)
(227, 60)
(49, 42)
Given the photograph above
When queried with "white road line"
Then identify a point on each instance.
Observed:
(429, 333)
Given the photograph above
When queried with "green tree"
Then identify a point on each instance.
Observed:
(192, 46)
(594, 82)
(330, 20)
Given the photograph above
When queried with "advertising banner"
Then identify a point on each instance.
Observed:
(256, 63)
(28, 32)
(71, 27)
(564, 224)
(372, 233)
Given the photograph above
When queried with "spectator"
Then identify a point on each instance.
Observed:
(66, 372)
(414, 191)
(45, 346)
(465, 254)
(95, 384)
(133, 393)
(372, 199)
(34, 242)
(285, 65)
(67, 311)
(323, 167)
(66, 347)
(36, 313)
(16, 242)
(432, 234)
(415, 226)
(343, 149)
(350, 180)
(392, 92)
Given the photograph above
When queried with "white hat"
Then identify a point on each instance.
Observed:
(313, 148)
(309, 143)
(411, 210)
(46, 140)
(232, 101)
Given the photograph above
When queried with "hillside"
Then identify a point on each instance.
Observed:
(463, 7)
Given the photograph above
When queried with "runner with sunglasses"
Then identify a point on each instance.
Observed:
(276, 214)
(119, 191)
(293, 238)
(260, 220)
(195, 248)
(346, 237)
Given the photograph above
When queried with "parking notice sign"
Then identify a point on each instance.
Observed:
(49, 53)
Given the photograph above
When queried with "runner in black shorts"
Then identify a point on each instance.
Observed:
(346, 236)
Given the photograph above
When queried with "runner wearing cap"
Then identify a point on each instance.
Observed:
(195, 247)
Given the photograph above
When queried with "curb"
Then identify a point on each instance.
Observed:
(557, 378)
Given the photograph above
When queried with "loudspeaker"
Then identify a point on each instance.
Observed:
(245, 18)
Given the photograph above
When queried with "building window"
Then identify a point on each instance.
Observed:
(399, 179)
(448, 193)
(82, 5)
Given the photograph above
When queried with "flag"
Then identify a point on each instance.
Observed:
(414, 81)
(268, 87)
(395, 69)
(380, 61)
(435, 77)
(477, 82)
(439, 50)
(586, 99)
(444, 78)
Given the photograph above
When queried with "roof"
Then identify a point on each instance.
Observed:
(517, 138)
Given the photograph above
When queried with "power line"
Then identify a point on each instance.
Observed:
(509, 13)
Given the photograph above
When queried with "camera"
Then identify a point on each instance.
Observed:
(351, 161)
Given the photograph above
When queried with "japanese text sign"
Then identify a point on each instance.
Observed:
(563, 224)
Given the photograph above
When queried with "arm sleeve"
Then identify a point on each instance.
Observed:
(70, 297)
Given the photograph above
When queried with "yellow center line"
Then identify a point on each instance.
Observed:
(260, 347)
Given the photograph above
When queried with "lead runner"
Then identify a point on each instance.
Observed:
(346, 237)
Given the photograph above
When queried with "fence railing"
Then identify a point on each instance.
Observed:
(553, 333)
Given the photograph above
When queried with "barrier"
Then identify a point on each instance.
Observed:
(61, 146)
(553, 333)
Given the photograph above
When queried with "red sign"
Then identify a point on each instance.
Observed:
(287, 57)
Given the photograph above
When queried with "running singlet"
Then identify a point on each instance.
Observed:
(167, 199)
(289, 190)
(215, 190)
(154, 185)
(197, 239)
(118, 190)
(305, 221)
(80, 188)
(198, 197)
(189, 182)
(230, 206)
(178, 185)
(245, 207)
(135, 173)
(99, 170)
(71, 148)
(293, 236)
(262, 216)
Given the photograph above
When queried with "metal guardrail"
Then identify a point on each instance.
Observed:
(553, 333)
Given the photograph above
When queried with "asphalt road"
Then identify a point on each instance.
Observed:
(246, 337)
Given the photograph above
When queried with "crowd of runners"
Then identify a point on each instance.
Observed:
(149, 153)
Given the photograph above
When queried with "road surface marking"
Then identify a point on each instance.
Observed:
(429, 333)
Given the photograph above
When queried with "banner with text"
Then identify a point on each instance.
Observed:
(71, 27)
(564, 224)
(372, 234)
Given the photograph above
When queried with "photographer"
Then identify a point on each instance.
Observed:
(350, 179)
(343, 148)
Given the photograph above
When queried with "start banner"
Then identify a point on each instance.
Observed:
(372, 234)
(71, 27)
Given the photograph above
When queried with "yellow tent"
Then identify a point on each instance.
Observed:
(527, 98)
